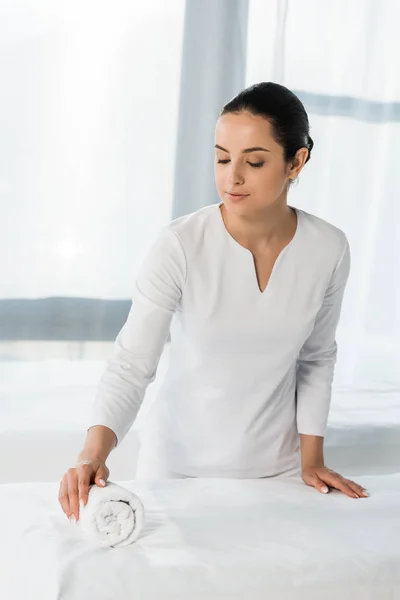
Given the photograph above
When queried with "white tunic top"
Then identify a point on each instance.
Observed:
(248, 370)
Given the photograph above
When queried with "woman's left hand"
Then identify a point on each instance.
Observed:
(322, 477)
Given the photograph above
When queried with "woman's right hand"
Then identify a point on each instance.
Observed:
(74, 486)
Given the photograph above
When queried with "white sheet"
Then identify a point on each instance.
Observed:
(210, 539)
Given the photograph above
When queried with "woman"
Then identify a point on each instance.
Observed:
(250, 292)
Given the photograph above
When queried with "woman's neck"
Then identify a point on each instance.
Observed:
(261, 232)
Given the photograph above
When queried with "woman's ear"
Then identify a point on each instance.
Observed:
(298, 163)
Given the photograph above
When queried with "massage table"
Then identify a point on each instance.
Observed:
(210, 539)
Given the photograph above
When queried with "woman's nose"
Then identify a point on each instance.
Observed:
(235, 176)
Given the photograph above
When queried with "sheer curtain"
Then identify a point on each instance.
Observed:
(89, 110)
(343, 60)
(88, 120)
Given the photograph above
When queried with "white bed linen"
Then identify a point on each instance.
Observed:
(210, 539)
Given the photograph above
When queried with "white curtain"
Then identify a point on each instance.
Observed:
(88, 116)
(343, 60)
(89, 108)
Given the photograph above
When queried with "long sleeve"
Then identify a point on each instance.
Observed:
(140, 342)
(317, 358)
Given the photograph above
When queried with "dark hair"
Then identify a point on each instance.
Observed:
(282, 108)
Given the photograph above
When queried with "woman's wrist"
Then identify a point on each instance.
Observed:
(100, 441)
(312, 453)
(89, 456)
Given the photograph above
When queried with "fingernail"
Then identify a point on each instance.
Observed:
(102, 482)
(324, 490)
(365, 493)
(81, 503)
(72, 519)
(356, 495)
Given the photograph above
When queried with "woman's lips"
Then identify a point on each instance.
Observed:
(236, 196)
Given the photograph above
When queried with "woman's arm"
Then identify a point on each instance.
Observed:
(314, 385)
(312, 451)
(140, 342)
(316, 363)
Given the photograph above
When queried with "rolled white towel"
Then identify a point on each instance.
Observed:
(113, 516)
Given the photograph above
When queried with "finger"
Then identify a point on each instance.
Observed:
(84, 473)
(338, 482)
(73, 492)
(63, 496)
(321, 486)
(349, 487)
(314, 481)
(358, 489)
(101, 476)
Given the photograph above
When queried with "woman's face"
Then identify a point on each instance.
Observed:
(262, 175)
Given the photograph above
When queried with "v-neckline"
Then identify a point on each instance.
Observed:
(248, 252)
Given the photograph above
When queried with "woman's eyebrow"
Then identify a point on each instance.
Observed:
(256, 148)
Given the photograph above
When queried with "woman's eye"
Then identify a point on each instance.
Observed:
(256, 165)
